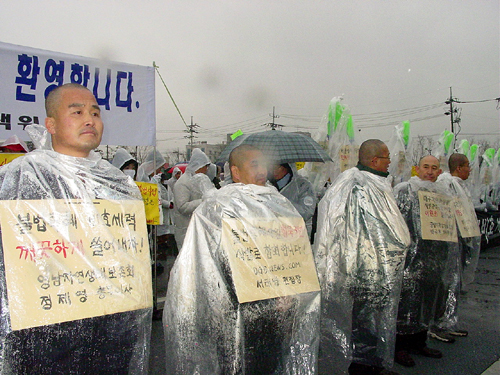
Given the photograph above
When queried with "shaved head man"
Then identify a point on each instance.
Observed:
(208, 327)
(359, 224)
(428, 168)
(374, 153)
(459, 166)
(248, 165)
(73, 120)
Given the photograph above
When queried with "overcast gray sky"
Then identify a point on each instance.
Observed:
(227, 63)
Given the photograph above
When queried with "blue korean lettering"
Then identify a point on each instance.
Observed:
(102, 101)
(130, 89)
(54, 72)
(28, 71)
(79, 74)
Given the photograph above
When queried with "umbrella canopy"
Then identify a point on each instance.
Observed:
(181, 166)
(280, 147)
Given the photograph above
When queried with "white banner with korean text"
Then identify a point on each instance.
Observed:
(125, 92)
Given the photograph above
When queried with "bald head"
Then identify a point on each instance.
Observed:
(428, 168)
(459, 166)
(374, 153)
(248, 165)
(237, 155)
(456, 160)
(53, 99)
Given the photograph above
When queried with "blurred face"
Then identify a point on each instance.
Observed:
(381, 162)
(253, 169)
(76, 127)
(464, 171)
(203, 169)
(278, 172)
(429, 170)
(178, 175)
(129, 166)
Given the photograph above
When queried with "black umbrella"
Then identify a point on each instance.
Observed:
(281, 147)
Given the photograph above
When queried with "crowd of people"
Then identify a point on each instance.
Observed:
(270, 278)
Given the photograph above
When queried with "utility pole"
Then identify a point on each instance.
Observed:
(192, 131)
(273, 125)
(454, 112)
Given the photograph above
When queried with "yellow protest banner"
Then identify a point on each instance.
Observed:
(151, 200)
(437, 217)
(269, 258)
(6, 158)
(69, 260)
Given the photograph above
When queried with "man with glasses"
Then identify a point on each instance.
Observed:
(360, 250)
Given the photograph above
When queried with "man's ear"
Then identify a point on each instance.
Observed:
(50, 125)
(235, 173)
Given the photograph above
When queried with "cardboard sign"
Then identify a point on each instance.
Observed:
(69, 260)
(269, 258)
(466, 219)
(437, 217)
(348, 156)
(152, 203)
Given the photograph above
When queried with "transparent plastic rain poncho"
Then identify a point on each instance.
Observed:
(444, 148)
(461, 265)
(167, 213)
(207, 331)
(469, 246)
(426, 273)
(471, 151)
(336, 135)
(154, 160)
(359, 250)
(14, 142)
(121, 158)
(400, 167)
(301, 193)
(117, 343)
(488, 175)
(188, 191)
(172, 180)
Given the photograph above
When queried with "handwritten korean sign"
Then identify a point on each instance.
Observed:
(269, 259)
(348, 156)
(151, 200)
(466, 219)
(69, 260)
(437, 217)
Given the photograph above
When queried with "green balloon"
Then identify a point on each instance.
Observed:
(331, 119)
(350, 129)
(406, 132)
(490, 153)
(339, 109)
(448, 139)
(464, 145)
(473, 152)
